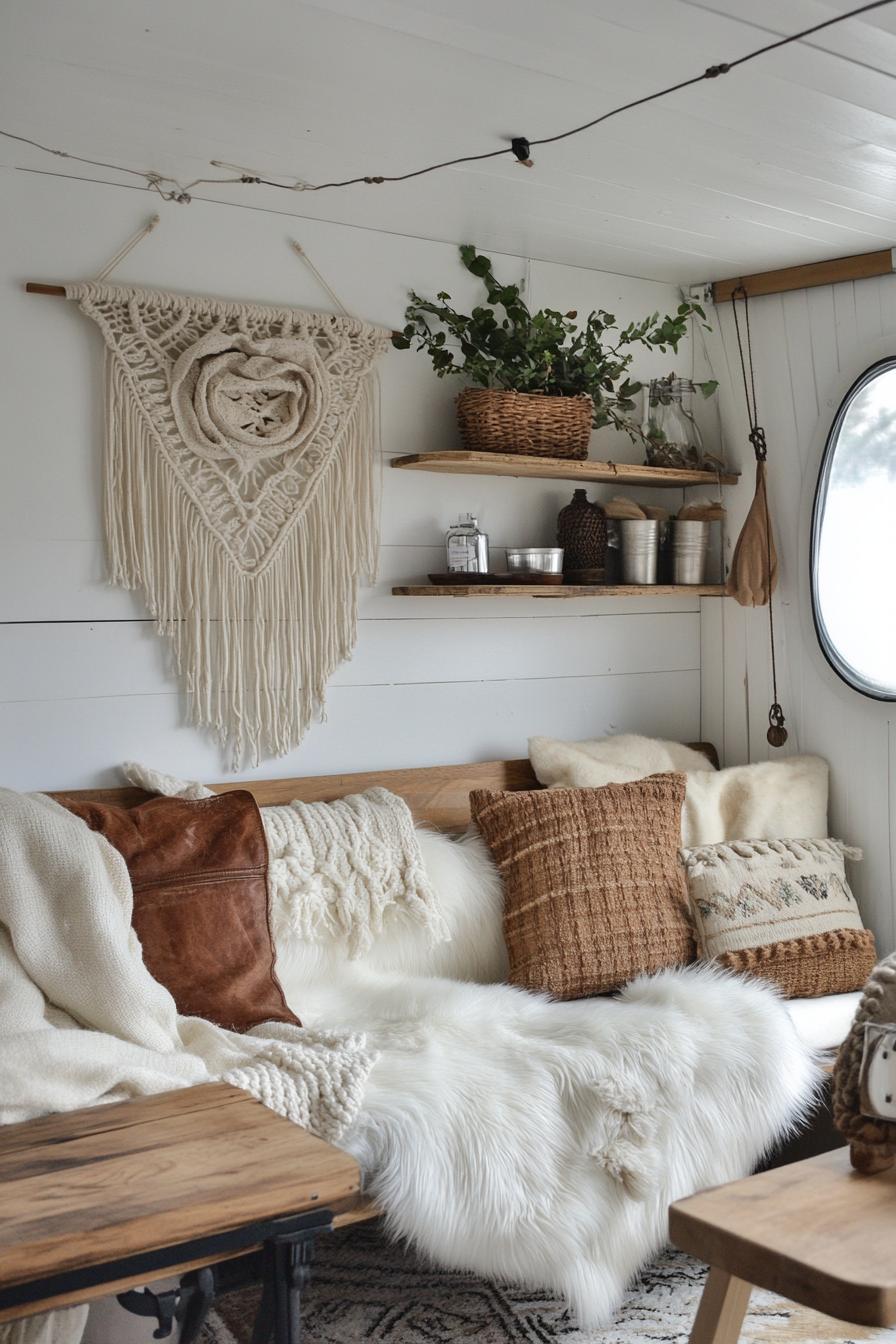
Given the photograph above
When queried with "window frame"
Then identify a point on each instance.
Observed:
(846, 674)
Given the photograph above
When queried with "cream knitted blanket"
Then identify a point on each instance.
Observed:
(83, 1021)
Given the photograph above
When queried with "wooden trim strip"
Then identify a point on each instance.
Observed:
(805, 277)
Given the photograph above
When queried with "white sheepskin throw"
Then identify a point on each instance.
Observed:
(240, 495)
(542, 1142)
(536, 1141)
(765, 801)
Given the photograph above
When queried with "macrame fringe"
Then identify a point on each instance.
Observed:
(701, 857)
(255, 651)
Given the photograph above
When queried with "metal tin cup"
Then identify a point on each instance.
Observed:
(640, 543)
(690, 544)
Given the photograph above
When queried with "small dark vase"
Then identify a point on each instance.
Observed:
(582, 532)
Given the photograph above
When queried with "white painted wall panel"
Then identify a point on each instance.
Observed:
(77, 660)
(69, 745)
(806, 346)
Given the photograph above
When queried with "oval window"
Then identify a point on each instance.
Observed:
(854, 536)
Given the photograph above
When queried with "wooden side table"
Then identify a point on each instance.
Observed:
(815, 1231)
(108, 1198)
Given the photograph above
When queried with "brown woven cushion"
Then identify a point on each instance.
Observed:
(805, 968)
(199, 873)
(594, 892)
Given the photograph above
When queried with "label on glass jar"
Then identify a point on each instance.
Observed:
(461, 554)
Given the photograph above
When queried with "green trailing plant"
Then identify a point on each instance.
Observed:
(539, 352)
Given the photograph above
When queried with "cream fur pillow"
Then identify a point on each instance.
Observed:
(765, 801)
(610, 760)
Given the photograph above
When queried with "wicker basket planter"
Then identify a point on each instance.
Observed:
(492, 421)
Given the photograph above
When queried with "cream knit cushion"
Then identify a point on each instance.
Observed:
(781, 909)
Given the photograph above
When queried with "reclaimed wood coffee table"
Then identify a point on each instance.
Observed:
(108, 1198)
(815, 1231)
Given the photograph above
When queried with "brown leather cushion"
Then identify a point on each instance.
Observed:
(594, 892)
(199, 873)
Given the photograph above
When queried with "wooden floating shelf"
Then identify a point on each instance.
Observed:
(563, 590)
(460, 462)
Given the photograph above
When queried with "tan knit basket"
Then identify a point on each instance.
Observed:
(492, 421)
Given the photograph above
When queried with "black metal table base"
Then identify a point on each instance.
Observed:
(283, 1267)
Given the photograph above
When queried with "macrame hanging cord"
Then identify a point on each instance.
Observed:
(753, 576)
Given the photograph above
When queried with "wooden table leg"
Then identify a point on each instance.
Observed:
(722, 1309)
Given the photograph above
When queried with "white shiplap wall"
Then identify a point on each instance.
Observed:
(85, 681)
(808, 346)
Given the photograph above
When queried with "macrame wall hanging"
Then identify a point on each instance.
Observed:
(240, 495)
(753, 575)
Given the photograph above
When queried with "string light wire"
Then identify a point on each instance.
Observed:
(181, 194)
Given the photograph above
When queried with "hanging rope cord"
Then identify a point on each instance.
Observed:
(519, 145)
(777, 733)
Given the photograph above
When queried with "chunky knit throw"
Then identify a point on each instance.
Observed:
(872, 1140)
(336, 868)
(240, 496)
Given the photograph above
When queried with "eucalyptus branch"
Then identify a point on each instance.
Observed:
(542, 352)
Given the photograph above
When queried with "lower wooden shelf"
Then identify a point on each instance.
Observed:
(563, 590)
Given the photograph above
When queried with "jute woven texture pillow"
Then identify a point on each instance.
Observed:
(594, 891)
(782, 910)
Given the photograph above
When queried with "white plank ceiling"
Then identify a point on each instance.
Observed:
(789, 159)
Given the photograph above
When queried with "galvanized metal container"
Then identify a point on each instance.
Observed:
(690, 545)
(640, 545)
(540, 559)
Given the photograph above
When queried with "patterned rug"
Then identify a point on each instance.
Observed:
(364, 1289)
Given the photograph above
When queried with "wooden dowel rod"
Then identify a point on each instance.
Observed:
(804, 277)
(58, 292)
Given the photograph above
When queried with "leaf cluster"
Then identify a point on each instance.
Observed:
(503, 345)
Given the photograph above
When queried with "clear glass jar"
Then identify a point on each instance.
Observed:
(673, 438)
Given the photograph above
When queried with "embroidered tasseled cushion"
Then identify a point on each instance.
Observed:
(594, 891)
(199, 873)
(782, 910)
